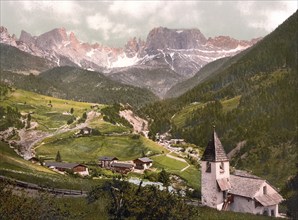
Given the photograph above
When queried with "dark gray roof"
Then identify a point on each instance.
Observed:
(245, 174)
(62, 165)
(104, 158)
(245, 186)
(122, 165)
(214, 151)
(144, 160)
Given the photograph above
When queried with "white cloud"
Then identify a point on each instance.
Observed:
(100, 22)
(269, 18)
(136, 9)
(66, 11)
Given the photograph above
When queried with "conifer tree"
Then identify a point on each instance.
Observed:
(58, 157)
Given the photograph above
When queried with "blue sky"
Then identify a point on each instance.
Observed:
(114, 22)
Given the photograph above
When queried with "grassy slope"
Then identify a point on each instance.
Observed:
(48, 117)
(87, 149)
(180, 118)
(12, 165)
(83, 149)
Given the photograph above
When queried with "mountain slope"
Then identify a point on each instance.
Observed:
(206, 72)
(13, 59)
(81, 85)
(253, 100)
(184, 51)
(156, 79)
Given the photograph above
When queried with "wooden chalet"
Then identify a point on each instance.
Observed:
(106, 162)
(74, 167)
(143, 163)
(122, 167)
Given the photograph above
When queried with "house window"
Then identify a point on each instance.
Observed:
(208, 167)
(264, 190)
(222, 167)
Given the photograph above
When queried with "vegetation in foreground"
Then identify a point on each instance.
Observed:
(113, 200)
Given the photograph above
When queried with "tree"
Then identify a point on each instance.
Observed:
(132, 202)
(58, 157)
(164, 178)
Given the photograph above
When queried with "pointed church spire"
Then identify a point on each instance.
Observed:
(214, 151)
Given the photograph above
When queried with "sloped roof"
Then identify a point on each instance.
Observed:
(104, 158)
(122, 165)
(269, 199)
(63, 165)
(144, 160)
(245, 186)
(223, 184)
(214, 151)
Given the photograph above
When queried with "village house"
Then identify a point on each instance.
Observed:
(74, 167)
(122, 168)
(239, 192)
(86, 131)
(106, 162)
(34, 160)
(143, 163)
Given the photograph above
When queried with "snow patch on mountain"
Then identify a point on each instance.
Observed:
(124, 61)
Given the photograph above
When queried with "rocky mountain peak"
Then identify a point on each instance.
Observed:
(52, 39)
(132, 47)
(163, 38)
(6, 38)
(26, 37)
(3, 29)
(73, 40)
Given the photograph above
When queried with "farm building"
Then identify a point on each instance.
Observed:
(86, 131)
(143, 163)
(122, 167)
(74, 167)
(34, 160)
(239, 192)
(106, 162)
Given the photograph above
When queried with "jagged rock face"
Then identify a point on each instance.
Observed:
(51, 39)
(6, 38)
(27, 38)
(184, 51)
(164, 38)
(226, 42)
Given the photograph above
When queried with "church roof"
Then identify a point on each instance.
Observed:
(245, 186)
(214, 151)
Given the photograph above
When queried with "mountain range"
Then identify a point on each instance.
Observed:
(172, 55)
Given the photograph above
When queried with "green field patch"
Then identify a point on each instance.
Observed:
(230, 104)
(180, 117)
(169, 164)
(107, 128)
(48, 112)
(83, 149)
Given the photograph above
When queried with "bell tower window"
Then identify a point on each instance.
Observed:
(222, 167)
(208, 167)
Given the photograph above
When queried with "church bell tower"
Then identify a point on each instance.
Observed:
(215, 174)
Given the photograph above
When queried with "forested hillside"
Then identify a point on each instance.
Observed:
(13, 59)
(253, 100)
(80, 85)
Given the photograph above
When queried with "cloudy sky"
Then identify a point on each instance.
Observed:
(114, 22)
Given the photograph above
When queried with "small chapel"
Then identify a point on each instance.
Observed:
(238, 192)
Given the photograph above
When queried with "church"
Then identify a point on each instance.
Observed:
(238, 192)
